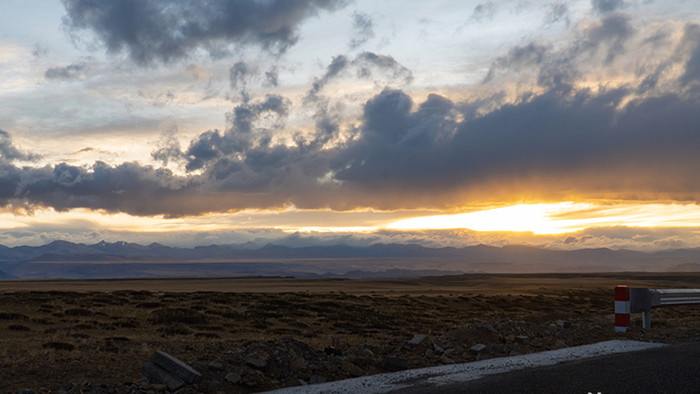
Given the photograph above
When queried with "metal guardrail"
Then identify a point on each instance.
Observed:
(641, 300)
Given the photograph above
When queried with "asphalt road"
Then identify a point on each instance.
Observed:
(672, 369)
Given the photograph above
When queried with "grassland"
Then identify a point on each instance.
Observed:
(53, 333)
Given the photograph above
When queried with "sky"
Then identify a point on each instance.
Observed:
(560, 124)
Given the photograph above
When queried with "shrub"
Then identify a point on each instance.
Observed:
(177, 315)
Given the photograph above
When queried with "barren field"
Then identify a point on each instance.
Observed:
(248, 335)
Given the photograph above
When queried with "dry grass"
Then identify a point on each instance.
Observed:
(51, 337)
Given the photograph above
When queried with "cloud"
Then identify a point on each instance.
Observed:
(557, 12)
(561, 140)
(602, 41)
(364, 64)
(691, 43)
(484, 11)
(171, 30)
(272, 77)
(239, 75)
(9, 153)
(605, 6)
(71, 71)
(364, 29)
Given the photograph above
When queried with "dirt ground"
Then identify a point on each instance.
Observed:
(56, 333)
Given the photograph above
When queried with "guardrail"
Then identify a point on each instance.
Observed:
(641, 300)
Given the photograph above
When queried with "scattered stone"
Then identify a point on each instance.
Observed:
(446, 360)
(315, 379)
(563, 324)
(482, 356)
(232, 377)
(417, 340)
(158, 375)
(331, 351)
(478, 348)
(391, 363)
(522, 339)
(437, 349)
(27, 391)
(298, 364)
(255, 362)
(176, 367)
(429, 354)
(216, 366)
(488, 326)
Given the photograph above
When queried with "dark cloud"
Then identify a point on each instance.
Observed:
(551, 146)
(239, 75)
(605, 6)
(364, 64)
(164, 31)
(519, 57)
(8, 151)
(363, 27)
(71, 71)
(272, 77)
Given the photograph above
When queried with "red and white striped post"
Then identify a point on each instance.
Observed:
(622, 308)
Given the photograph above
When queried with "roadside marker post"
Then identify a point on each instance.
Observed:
(622, 308)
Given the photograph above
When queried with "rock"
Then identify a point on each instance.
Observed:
(560, 344)
(316, 379)
(563, 324)
(352, 369)
(158, 375)
(510, 338)
(255, 362)
(437, 349)
(331, 351)
(522, 339)
(446, 360)
(298, 364)
(232, 377)
(27, 391)
(479, 348)
(488, 326)
(176, 367)
(514, 353)
(500, 349)
(429, 354)
(482, 356)
(417, 340)
(216, 366)
(391, 363)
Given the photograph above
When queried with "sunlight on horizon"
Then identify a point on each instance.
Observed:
(559, 218)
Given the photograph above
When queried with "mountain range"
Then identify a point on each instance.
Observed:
(62, 259)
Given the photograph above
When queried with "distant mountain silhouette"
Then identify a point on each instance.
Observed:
(122, 259)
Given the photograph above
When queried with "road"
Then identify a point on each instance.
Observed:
(671, 369)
